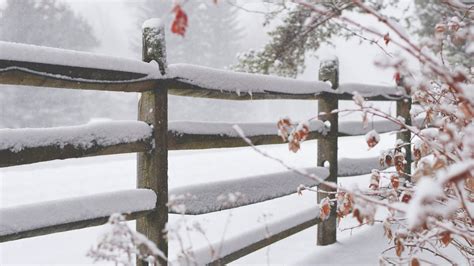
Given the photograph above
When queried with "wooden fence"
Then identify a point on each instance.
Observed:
(155, 81)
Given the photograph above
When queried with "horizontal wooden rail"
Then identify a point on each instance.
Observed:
(181, 87)
(25, 146)
(182, 135)
(215, 196)
(30, 65)
(53, 76)
(204, 135)
(356, 128)
(250, 240)
(48, 153)
(75, 213)
(265, 242)
(204, 82)
(187, 135)
(67, 227)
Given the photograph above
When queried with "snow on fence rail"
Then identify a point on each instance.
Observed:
(198, 81)
(217, 196)
(39, 66)
(74, 213)
(30, 65)
(252, 240)
(222, 195)
(30, 145)
(206, 135)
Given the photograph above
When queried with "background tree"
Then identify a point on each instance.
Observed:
(46, 23)
(212, 38)
(302, 32)
(435, 19)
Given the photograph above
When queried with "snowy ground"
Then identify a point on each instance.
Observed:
(62, 179)
(27, 184)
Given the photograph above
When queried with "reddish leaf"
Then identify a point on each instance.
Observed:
(398, 247)
(284, 126)
(324, 209)
(466, 109)
(356, 214)
(399, 161)
(397, 77)
(414, 262)
(445, 238)
(459, 77)
(386, 38)
(440, 27)
(180, 22)
(406, 197)
(294, 145)
(372, 138)
(374, 180)
(395, 181)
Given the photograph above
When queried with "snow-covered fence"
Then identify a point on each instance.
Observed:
(153, 136)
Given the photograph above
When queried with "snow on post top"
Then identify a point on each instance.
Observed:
(152, 23)
(329, 58)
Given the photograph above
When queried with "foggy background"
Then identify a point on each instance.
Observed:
(216, 34)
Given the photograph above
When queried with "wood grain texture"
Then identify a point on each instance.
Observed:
(179, 141)
(67, 227)
(181, 87)
(327, 147)
(264, 242)
(152, 166)
(58, 76)
(55, 152)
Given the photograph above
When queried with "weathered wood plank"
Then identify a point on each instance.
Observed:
(152, 167)
(43, 75)
(179, 141)
(67, 227)
(183, 141)
(327, 147)
(55, 152)
(180, 87)
(264, 242)
(70, 77)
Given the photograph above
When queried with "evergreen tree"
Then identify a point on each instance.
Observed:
(46, 23)
(430, 13)
(284, 54)
(300, 32)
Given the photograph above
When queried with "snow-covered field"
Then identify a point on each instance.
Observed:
(79, 177)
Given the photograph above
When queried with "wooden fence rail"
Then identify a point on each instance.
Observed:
(154, 79)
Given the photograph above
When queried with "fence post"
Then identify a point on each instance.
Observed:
(327, 146)
(152, 167)
(403, 110)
